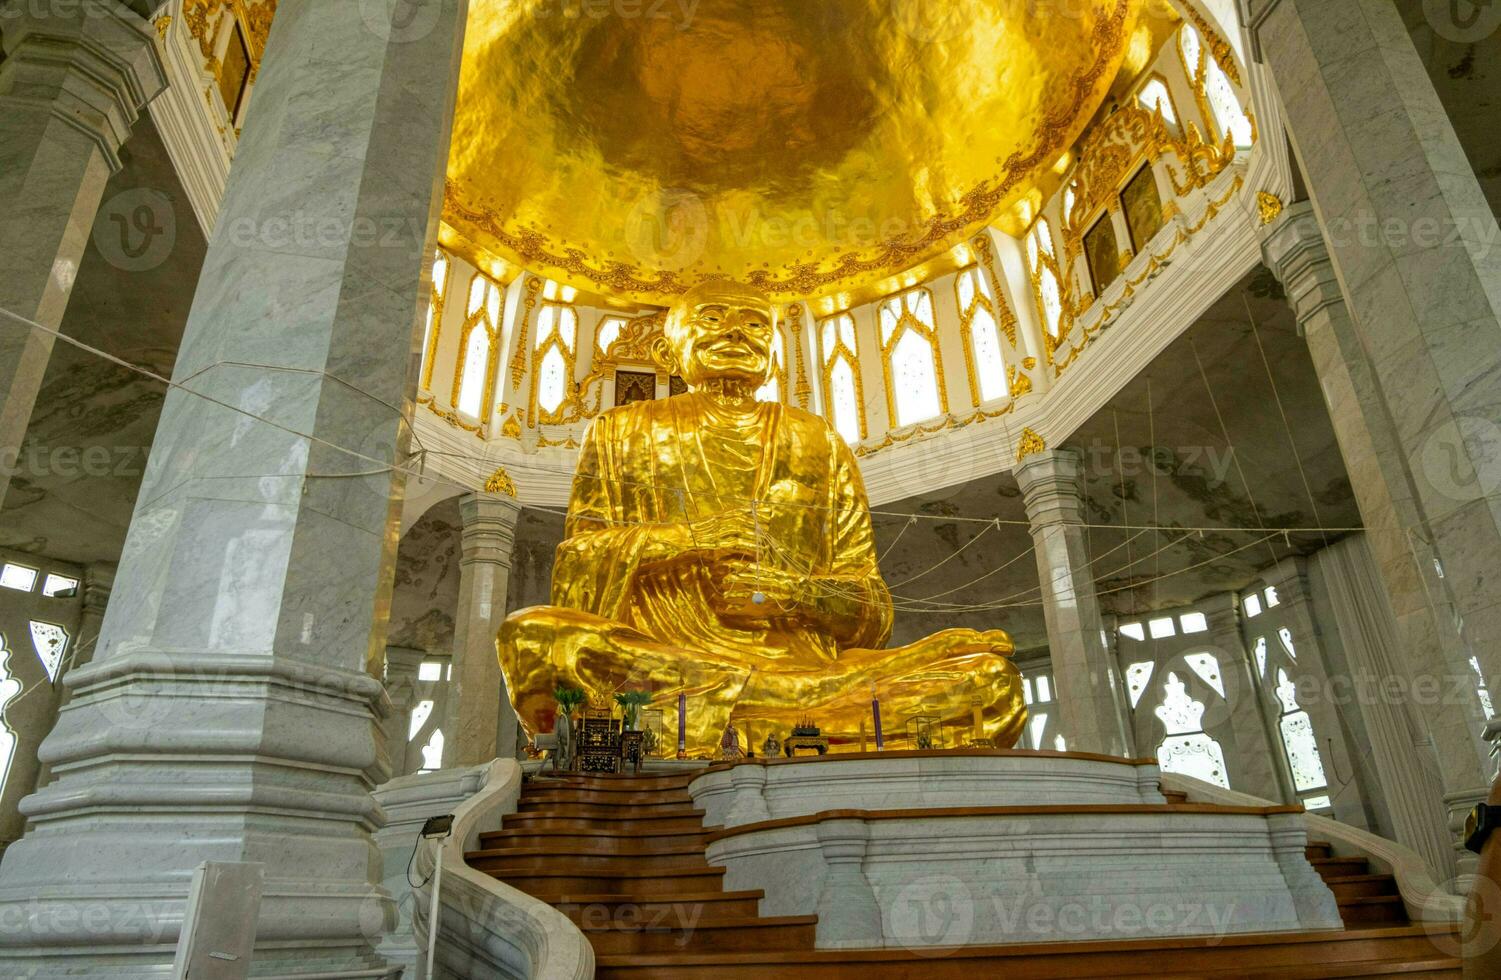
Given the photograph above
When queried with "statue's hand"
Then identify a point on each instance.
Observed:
(782, 594)
(730, 535)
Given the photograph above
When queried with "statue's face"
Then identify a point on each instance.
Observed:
(725, 334)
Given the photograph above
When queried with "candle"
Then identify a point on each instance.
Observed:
(875, 710)
(682, 724)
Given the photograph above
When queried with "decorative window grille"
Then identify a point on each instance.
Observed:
(909, 353)
(1187, 748)
(442, 267)
(474, 385)
(844, 401)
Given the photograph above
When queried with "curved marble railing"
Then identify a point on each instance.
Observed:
(772, 789)
(487, 928)
(1424, 899)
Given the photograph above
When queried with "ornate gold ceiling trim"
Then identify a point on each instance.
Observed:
(802, 281)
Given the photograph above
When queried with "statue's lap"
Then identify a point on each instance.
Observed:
(943, 677)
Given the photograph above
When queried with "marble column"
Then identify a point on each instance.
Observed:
(72, 80)
(402, 664)
(98, 583)
(1413, 245)
(481, 723)
(1254, 768)
(1086, 681)
(230, 712)
(1435, 647)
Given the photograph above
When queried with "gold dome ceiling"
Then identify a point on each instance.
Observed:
(808, 145)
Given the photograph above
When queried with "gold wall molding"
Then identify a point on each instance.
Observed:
(500, 482)
(804, 390)
(1154, 265)
(1268, 207)
(204, 17)
(518, 359)
(1030, 444)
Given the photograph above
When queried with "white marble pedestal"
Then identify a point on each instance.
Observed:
(950, 849)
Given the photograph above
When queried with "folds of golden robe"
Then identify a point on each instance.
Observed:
(624, 616)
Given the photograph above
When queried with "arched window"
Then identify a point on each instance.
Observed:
(432, 752)
(776, 386)
(1212, 88)
(1302, 748)
(441, 268)
(1276, 665)
(1187, 748)
(1482, 689)
(1138, 676)
(553, 351)
(844, 400)
(50, 642)
(9, 688)
(1041, 733)
(1155, 96)
(909, 353)
(982, 336)
(607, 333)
(479, 345)
(1047, 278)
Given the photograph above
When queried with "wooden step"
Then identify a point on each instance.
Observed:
(1319, 849)
(1372, 910)
(1361, 886)
(673, 797)
(610, 781)
(1339, 867)
(636, 842)
(602, 909)
(686, 822)
(1435, 968)
(503, 861)
(605, 811)
(720, 935)
(562, 877)
(1366, 952)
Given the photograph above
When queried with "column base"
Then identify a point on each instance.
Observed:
(164, 760)
(154, 964)
(1466, 862)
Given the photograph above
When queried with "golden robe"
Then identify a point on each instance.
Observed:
(624, 616)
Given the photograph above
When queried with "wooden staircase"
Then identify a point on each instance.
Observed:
(624, 858)
(1365, 898)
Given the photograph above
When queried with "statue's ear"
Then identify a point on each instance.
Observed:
(663, 357)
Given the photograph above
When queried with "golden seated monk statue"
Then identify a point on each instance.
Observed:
(720, 546)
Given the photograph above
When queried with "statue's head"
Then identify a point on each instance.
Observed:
(722, 330)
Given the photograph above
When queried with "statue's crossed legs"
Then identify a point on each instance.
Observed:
(944, 675)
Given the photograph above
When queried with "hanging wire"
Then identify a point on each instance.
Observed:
(1225, 433)
(959, 551)
(383, 466)
(1286, 426)
(928, 603)
(1152, 469)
